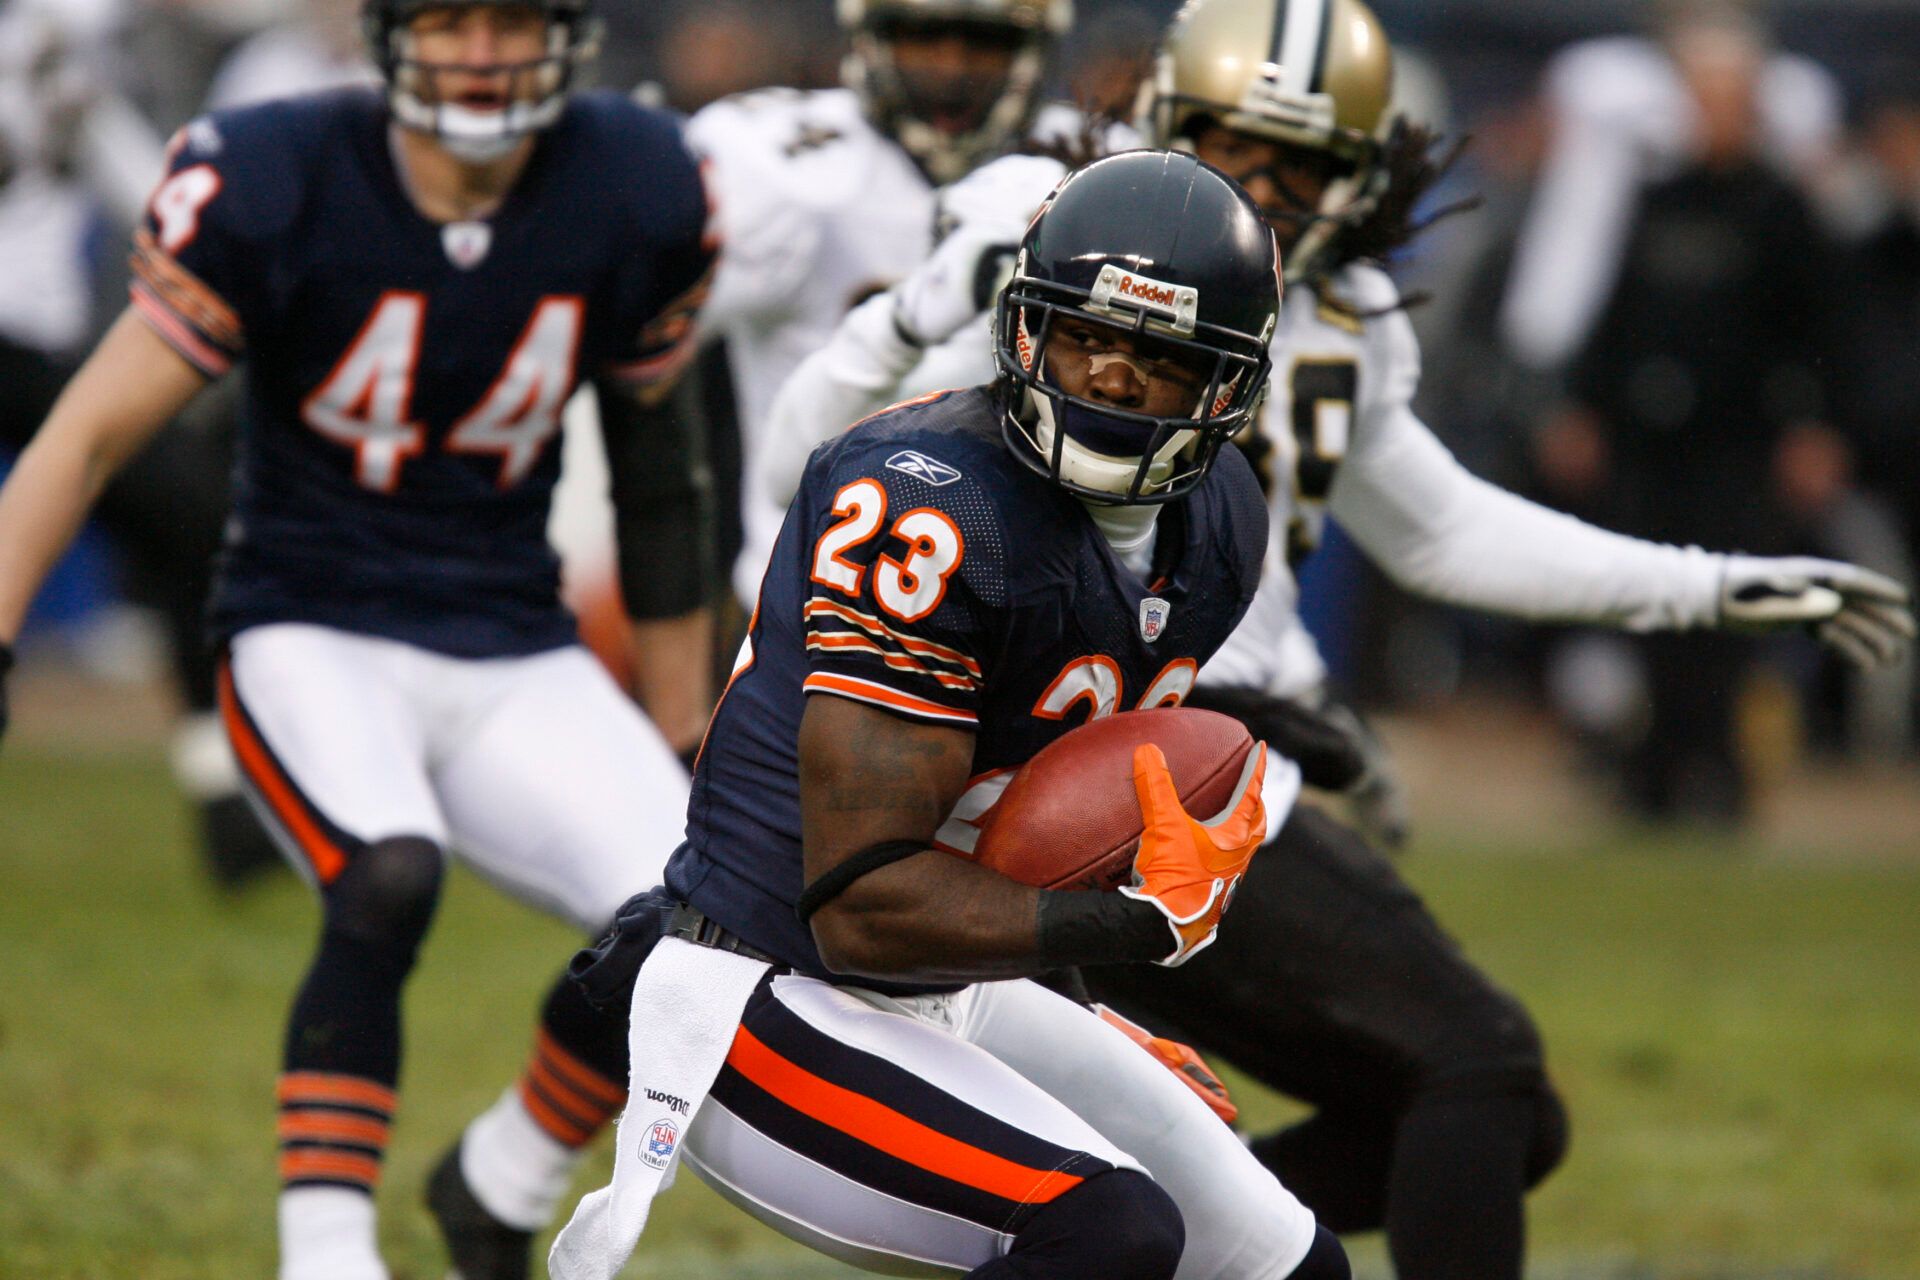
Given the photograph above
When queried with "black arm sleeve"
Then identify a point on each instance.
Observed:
(662, 501)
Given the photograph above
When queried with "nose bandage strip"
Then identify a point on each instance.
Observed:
(1097, 365)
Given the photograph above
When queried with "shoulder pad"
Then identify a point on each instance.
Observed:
(1361, 287)
(642, 156)
(266, 153)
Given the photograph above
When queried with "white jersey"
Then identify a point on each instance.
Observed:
(817, 210)
(1339, 437)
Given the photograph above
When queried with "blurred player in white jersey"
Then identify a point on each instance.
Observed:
(1334, 984)
(826, 196)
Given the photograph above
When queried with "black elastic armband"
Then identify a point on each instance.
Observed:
(1077, 927)
(868, 860)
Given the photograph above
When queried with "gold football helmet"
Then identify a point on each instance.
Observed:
(1311, 74)
(955, 124)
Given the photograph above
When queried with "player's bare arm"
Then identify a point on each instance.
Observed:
(133, 384)
(867, 779)
(672, 666)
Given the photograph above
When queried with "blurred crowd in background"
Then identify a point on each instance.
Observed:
(1687, 307)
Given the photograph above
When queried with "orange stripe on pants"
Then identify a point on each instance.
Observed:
(327, 859)
(883, 1128)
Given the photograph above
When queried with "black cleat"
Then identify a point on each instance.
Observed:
(480, 1245)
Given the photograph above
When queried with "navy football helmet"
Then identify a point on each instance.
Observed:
(537, 89)
(1165, 247)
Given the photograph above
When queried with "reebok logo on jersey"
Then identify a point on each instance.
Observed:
(926, 470)
(1118, 287)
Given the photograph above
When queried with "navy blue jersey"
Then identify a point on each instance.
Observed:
(924, 570)
(405, 378)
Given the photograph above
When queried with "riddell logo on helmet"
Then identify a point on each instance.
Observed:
(1117, 288)
(1146, 291)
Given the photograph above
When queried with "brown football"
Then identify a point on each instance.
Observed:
(1070, 817)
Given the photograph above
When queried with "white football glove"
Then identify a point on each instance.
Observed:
(957, 283)
(1865, 616)
(981, 219)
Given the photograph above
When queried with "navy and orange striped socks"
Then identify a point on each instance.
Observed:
(518, 1158)
(568, 1099)
(333, 1129)
(333, 1136)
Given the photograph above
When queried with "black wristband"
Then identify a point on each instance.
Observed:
(868, 860)
(6, 657)
(1077, 927)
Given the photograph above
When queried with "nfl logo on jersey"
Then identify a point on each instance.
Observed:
(466, 243)
(658, 1143)
(1153, 618)
(922, 468)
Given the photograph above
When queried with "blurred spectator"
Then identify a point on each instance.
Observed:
(72, 155)
(176, 46)
(718, 49)
(1693, 402)
(1622, 116)
(1879, 393)
(319, 47)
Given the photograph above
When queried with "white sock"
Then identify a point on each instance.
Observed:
(327, 1233)
(515, 1169)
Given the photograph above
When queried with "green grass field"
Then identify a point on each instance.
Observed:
(1739, 1044)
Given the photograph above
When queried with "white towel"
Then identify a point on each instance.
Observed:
(687, 1003)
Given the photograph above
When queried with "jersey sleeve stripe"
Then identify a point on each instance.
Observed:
(176, 334)
(670, 339)
(876, 627)
(187, 296)
(858, 644)
(881, 695)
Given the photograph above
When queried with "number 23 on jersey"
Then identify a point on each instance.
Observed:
(365, 402)
(909, 587)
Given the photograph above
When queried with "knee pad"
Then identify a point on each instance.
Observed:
(1119, 1224)
(385, 897)
(1326, 1260)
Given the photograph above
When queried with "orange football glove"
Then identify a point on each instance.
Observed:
(1188, 870)
(1179, 1059)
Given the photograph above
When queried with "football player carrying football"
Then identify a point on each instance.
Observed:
(416, 280)
(866, 1070)
(1333, 983)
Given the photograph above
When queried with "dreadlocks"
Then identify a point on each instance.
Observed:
(1415, 159)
